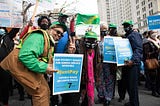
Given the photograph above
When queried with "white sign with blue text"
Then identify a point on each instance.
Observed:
(116, 50)
(123, 50)
(153, 22)
(109, 55)
(68, 77)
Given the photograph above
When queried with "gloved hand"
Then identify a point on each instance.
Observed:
(128, 63)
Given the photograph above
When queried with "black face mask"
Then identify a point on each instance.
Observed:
(127, 29)
(104, 33)
(90, 45)
(44, 26)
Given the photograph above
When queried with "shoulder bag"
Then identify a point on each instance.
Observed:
(21, 73)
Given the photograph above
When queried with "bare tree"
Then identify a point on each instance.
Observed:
(25, 7)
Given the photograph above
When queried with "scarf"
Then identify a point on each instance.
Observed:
(90, 81)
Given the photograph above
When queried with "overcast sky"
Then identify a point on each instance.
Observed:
(72, 6)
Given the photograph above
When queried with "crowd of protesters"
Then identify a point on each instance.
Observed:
(96, 74)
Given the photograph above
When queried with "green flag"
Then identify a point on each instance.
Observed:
(87, 19)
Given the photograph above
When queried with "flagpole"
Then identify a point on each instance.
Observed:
(34, 13)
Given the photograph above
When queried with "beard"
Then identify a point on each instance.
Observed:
(44, 26)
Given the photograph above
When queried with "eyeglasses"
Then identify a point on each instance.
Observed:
(58, 32)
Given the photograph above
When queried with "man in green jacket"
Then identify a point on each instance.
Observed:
(32, 49)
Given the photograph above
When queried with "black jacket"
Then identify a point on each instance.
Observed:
(136, 42)
(8, 43)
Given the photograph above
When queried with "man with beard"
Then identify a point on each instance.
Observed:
(43, 23)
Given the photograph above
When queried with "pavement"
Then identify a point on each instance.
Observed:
(145, 99)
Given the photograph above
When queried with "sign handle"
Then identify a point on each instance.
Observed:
(34, 13)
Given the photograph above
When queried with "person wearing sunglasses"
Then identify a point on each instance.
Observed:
(43, 23)
(29, 54)
(57, 34)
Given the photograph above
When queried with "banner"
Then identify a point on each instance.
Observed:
(87, 19)
(68, 77)
(10, 13)
(85, 22)
(116, 50)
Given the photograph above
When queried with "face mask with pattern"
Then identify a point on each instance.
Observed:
(90, 44)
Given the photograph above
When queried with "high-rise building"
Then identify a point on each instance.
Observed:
(102, 10)
(136, 10)
(120, 10)
(145, 8)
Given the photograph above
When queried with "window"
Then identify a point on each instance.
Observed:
(137, 1)
(143, 3)
(137, 7)
(138, 13)
(150, 5)
(139, 25)
(145, 23)
(144, 16)
(151, 12)
(143, 9)
(139, 18)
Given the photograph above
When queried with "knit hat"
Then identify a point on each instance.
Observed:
(90, 34)
(130, 22)
(112, 25)
(60, 24)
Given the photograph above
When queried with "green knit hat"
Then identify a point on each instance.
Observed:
(112, 25)
(60, 24)
(130, 22)
(90, 34)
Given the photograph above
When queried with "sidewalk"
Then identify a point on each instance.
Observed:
(145, 99)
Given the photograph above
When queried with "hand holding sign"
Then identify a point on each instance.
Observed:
(50, 69)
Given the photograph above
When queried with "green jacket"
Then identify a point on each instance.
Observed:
(31, 50)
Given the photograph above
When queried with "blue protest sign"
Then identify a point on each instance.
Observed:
(109, 54)
(123, 50)
(68, 77)
(154, 22)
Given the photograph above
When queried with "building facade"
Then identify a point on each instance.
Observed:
(136, 10)
(102, 10)
(145, 8)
